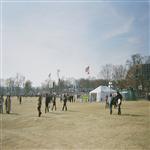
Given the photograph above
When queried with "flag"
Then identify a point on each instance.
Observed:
(49, 75)
(87, 69)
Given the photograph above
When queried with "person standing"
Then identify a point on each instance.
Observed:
(1, 103)
(110, 98)
(47, 101)
(61, 97)
(54, 102)
(119, 97)
(8, 104)
(39, 105)
(20, 99)
(64, 102)
(106, 102)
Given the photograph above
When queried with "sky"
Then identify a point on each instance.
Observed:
(38, 38)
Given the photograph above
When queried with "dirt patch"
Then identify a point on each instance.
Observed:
(83, 126)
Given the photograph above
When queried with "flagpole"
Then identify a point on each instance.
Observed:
(58, 71)
(49, 81)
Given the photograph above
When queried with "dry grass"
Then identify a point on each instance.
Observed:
(83, 126)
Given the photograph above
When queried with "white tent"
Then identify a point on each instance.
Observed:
(100, 93)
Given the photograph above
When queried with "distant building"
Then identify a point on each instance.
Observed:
(146, 72)
(143, 77)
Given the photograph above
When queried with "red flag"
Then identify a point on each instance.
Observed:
(87, 70)
(49, 75)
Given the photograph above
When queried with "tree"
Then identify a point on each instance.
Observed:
(2, 89)
(119, 72)
(107, 72)
(19, 81)
(10, 85)
(134, 75)
(28, 87)
(146, 60)
(45, 86)
(135, 59)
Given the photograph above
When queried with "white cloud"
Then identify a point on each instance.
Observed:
(134, 40)
(121, 28)
(43, 38)
(39, 45)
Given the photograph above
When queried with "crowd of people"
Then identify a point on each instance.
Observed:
(51, 98)
(7, 104)
(111, 100)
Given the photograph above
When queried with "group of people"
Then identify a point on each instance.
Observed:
(51, 98)
(114, 100)
(111, 100)
(7, 104)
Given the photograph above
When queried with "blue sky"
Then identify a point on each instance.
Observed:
(39, 38)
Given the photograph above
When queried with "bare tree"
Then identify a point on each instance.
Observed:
(119, 72)
(146, 60)
(45, 86)
(107, 72)
(28, 87)
(135, 59)
(2, 81)
(133, 76)
(19, 82)
(10, 84)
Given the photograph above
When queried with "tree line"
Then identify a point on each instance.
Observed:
(121, 76)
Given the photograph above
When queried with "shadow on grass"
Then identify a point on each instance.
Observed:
(44, 117)
(72, 111)
(132, 115)
(55, 112)
(13, 114)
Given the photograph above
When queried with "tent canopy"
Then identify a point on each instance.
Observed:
(100, 93)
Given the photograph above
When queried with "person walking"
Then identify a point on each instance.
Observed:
(106, 102)
(110, 101)
(1, 103)
(20, 99)
(64, 102)
(119, 97)
(47, 101)
(8, 104)
(39, 105)
(54, 102)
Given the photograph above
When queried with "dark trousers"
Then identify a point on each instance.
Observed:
(54, 106)
(106, 105)
(46, 108)
(20, 101)
(110, 108)
(1, 108)
(64, 107)
(39, 111)
(119, 109)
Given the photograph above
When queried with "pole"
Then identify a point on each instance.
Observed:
(110, 83)
(58, 71)
(49, 81)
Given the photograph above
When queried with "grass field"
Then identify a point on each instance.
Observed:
(83, 126)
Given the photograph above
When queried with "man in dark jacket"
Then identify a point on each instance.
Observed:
(119, 97)
(8, 104)
(47, 101)
(54, 101)
(20, 99)
(65, 102)
(1, 103)
(39, 105)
